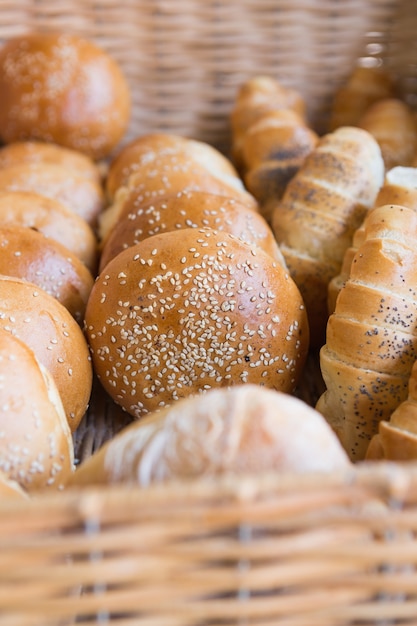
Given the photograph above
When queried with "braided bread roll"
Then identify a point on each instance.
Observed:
(399, 188)
(371, 339)
(321, 208)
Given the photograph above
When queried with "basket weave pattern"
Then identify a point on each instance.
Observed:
(269, 550)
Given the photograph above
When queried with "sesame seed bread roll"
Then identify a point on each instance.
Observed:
(45, 325)
(41, 152)
(52, 219)
(147, 147)
(189, 209)
(83, 197)
(235, 430)
(36, 448)
(25, 253)
(371, 338)
(63, 89)
(189, 310)
(166, 173)
(10, 489)
(321, 208)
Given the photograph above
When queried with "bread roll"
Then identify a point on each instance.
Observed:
(168, 172)
(391, 122)
(20, 152)
(84, 197)
(36, 447)
(399, 188)
(64, 89)
(148, 147)
(273, 149)
(189, 310)
(238, 430)
(259, 96)
(25, 253)
(10, 489)
(371, 338)
(52, 219)
(364, 87)
(189, 209)
(321, 208)
(45, 325)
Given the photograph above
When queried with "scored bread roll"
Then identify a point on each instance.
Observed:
(20, 152)
(47, 327)
(399, 188)
(53, 219)
(371, 338)
(189, 209)
(396, 439)
(391, 122)
(242, 429)
(320, 210)
(82, 196)
(63, 89)
(25, 253)
(364, 87)
(36, 448)
(145, 148)
(189, 310)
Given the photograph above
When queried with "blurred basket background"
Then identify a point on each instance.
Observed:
(272, 550)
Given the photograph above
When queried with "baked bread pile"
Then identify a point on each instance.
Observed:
(192, 285)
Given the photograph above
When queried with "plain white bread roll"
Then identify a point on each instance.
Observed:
(190, 310)
(36, 448)
(64, 89)
(82, 196)
(25, 253)
(242, 429)
(45, 325)
(53, 219)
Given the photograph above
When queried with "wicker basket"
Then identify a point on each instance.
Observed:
(256, 550)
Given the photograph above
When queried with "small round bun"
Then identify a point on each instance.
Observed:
(189, 209)
(45, 325)
(82, 196)
(169, 172)
(146, 148)
(244, 429)
(189, 310)
(20, 152)
(52, 219)
(63, 89)
(36, 447)
(25, 253)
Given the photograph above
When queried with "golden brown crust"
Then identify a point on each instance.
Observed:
(189, 209)
(55, 337)
(63, 89)
(25, 253)
(190, 310)
(41, 152)
(36, 447)
(242, 429)
(82, 196)
(52, 219)
(10, 489)
(322, 206)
